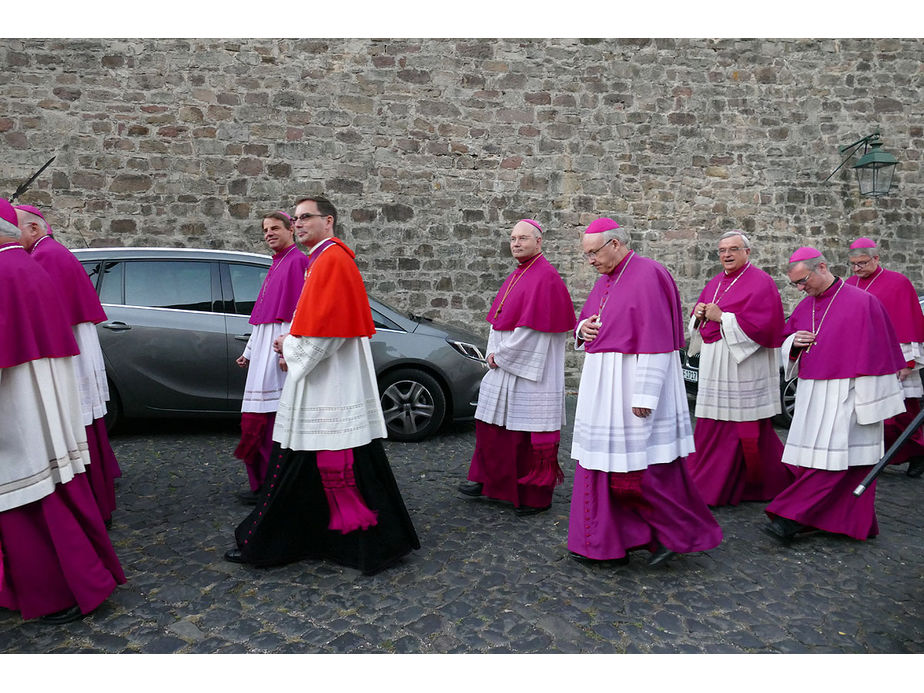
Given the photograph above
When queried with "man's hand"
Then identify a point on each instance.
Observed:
(904, 373)
(491, 362)
(641, 412)
(802, 339)
(282, 365)
(241, 361)
(590, 328)
(277, 343)
(713, 312)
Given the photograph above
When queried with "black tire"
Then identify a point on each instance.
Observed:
(113, 409)
(413, 403)
(788, 398)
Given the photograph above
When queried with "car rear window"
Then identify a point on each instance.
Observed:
(246, 281)
(183, 285)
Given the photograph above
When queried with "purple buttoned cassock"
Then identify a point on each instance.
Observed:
(281, 288)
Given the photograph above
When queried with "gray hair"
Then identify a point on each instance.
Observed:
(619, 234)
(871, 252)
(810, 263)
(744, 239)
(11, 230)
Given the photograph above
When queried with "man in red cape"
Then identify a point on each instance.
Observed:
(521, 399)
(330, 492)
(897, 294)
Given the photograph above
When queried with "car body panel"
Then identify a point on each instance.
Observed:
(177, 358)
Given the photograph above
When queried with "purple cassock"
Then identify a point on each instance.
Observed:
(517, 466)
(739, 460)
(54, 551)
(80, 304)
(276, 303)
(614, 512)
(854, 338)
(900, 299)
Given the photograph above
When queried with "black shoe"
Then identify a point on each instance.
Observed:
(525, 510)
(247, 497)
(915, 467)
(234, 556)
(67, 616)
(660, 555)
(595, 561)
(470, 488)
(783, 528)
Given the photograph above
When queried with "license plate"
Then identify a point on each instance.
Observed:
(691, 376)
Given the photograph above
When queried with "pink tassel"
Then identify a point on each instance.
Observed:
(544, 468)
(348, 512)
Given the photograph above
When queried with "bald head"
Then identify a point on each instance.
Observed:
(31, 226)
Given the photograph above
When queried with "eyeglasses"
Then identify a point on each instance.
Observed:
(861, 264)
(593, 253)
(733, 249)
(801, 282)
(306, 216)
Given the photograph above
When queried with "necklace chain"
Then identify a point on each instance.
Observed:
(514, 283)
(823, 316)
(606, 296)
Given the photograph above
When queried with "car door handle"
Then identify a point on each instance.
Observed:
(116, 326)
(242, 337)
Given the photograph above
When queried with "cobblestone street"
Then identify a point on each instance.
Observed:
(484, 580)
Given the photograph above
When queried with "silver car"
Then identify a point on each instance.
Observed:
(178, 318)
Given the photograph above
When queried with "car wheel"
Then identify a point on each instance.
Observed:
(788, 397)
(113, 409)
(413, 403)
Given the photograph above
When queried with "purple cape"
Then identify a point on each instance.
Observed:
(281, 287)
(32, 325)
(853, 338)
(73, 288)
(755, 301)
(537, 298)
(640, 311)
(900, 301)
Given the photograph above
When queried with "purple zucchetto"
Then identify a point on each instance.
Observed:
(602, 224)
(806, 252)
(862, 243)
(532, 222)
(35, 210)
(8, 212)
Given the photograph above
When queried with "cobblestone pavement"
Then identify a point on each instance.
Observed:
(484, 580)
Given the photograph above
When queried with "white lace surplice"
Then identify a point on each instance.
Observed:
(264, 376)
(607, 435)
(43, 440)
(330, 400)
(526, 392)
(90, 371)
(739, 380)
(838, 423)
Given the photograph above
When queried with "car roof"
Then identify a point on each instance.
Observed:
(168, 253)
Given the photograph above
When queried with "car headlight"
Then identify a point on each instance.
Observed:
(469, 351)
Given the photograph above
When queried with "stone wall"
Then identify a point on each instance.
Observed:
(433, 148)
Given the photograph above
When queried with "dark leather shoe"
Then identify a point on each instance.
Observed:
(234, 556)
(783, 528)
(470, 488)
(67, 616)
(661, 554)
(247, 497)
(604, 562)
(915, 467)
(525, 510)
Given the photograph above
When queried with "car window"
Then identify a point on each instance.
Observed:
(183, 285)
(383, 323)
(110, 284)
(92, 270)
(246, 281)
